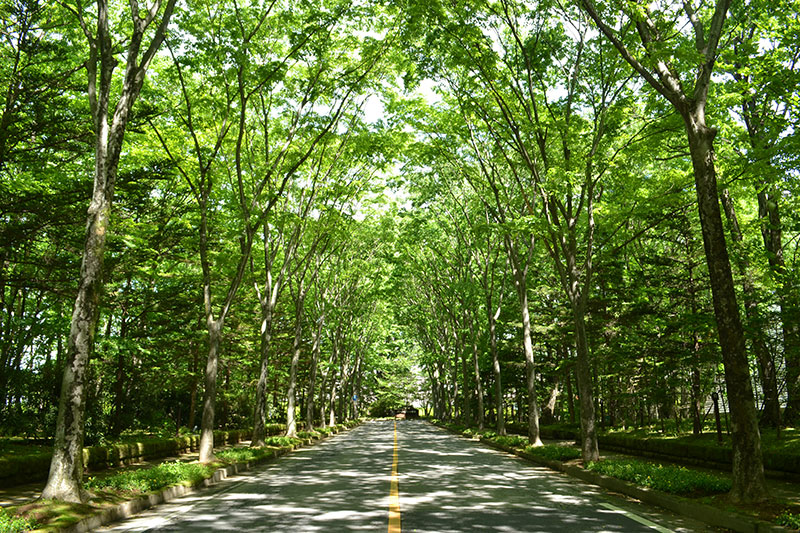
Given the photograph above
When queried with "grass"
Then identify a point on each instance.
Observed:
(672, 479)
(15, 524)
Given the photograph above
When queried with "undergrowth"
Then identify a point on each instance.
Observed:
(788, 519)
(150, 479)
(554, 452)
(15, 524)
(672, 479)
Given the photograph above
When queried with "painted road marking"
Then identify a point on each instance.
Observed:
(637, 518)
(394, 491)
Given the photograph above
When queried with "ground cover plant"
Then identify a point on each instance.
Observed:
(150, 479)
(554, 452)
(666, 478)
(789, 519)
(10, 523)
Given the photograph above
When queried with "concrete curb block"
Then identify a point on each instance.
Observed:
(132, 507)
(683, 506)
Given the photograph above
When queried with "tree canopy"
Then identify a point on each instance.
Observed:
(512, 214)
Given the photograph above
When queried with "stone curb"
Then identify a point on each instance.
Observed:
(683, 506)
(132, 507)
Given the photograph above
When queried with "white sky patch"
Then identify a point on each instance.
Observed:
(373, 109)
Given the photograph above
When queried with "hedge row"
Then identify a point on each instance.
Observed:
(24, 469)
(679, 451)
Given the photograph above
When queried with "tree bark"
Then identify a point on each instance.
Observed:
(748, 469)
(498, 378)
(315, 349)
(769, 383)
(291, 420)
(206, 449)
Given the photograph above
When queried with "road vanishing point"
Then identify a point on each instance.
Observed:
(406, 476)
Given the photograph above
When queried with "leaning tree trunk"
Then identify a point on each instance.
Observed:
(748, 469)
(65, 481)
(769, 383)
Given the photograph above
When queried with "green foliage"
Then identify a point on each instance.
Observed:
(788, 519)
(672, 479)
(282, 442)
(150, 479)
(512, 441)
(244, 455)
(15, 524)
(554, 452)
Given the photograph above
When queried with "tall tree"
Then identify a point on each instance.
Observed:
(657, 58)
(65, 481)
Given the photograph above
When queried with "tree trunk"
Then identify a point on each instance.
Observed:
(570, 393)
(291, 421)
(769, 382)
(478, 385)
(313, 375)
(193, 386)
(589, 449)
(549, 410)
(748, 469)
(260, 416)
(206, 450)
(65, 481)
(498, 384)
(530, 371)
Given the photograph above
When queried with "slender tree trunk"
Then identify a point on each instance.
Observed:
(193, 387)
(589, 449)
(549, 410)
(748, 469)
(570, 392)
(313, 375)
(260, 416)
(291, 421)
(498, 381)
(478, 385)
(206, 450)
(530, 370)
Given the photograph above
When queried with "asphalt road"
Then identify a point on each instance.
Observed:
(447, 484)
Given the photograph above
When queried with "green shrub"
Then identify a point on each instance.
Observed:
(244, 455)
(150, 479)
(282, 442)
(788, 519)
(673, 479)
(554, 452)
(15, 524)
(512, 441)
(307, 434)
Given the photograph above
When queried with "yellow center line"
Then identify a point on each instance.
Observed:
(394, 491)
